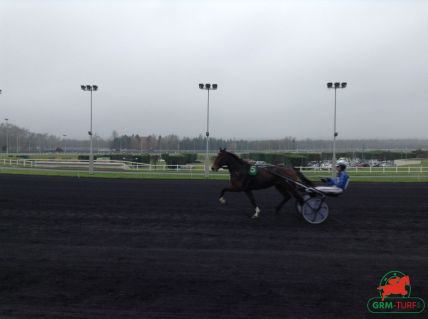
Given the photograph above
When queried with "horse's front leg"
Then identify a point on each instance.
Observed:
(224, 190)
(253, 202)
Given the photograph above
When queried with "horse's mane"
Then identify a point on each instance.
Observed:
(236, 157)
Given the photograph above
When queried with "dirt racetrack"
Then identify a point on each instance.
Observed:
(93, 248)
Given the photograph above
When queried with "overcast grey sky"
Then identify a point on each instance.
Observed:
(271, 60)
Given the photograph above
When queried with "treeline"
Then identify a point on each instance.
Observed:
(14, 139)
(20, 140)
(174, 143)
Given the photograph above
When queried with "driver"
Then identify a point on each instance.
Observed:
(339, 184)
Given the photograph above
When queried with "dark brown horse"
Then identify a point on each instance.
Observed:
(266, 176)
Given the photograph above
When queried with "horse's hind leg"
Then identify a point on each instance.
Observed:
(253, 202)
(286, 196)
(297, 195)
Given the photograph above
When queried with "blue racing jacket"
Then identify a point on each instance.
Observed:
(340, 181)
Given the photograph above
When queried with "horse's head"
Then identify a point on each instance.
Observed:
(405, 280)
(221, 160)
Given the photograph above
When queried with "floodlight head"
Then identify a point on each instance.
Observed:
(208, 86)
(336, 84)
(329, 85)
(214, 86)
(344, 84)
(201, 86)
(88, 87)
(94, 87)
(0, 91)
(83, 87)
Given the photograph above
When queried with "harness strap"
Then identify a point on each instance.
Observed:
(288, 179)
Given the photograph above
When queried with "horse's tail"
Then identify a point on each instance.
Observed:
(303, 178)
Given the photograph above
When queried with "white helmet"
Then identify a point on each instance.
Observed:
(342, 163)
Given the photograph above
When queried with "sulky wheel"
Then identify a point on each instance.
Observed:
(315, 210)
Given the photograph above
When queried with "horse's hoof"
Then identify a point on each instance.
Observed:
(222, 200)
(256, 214)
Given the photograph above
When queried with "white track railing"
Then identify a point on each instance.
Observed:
(126, 166)
(105, 165)
(373, 170)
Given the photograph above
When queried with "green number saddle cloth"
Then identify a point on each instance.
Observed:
(253, 170)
